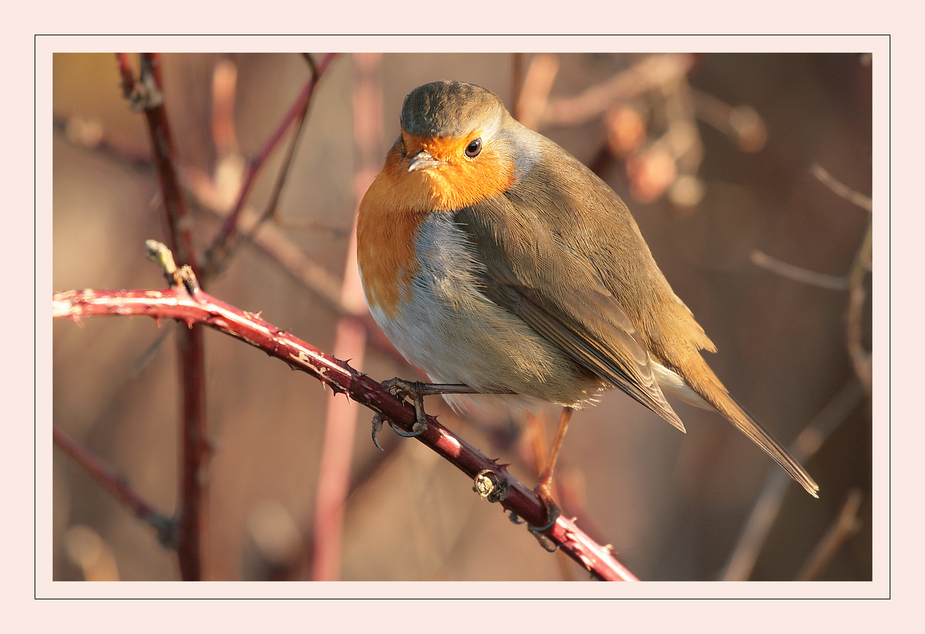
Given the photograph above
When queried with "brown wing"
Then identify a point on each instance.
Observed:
(561, 296)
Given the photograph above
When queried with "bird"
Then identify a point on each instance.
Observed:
(498, 263)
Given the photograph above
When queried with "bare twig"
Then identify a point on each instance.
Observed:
(533, 99)
(741, 123)
(115, 484)
(853, 282)
(226, 238)
(349, 343)
(841, 189)
(491, 479)
(845, 525)
(798, 274)
(752, 539)
(162, 147)
(147, 96)
(860, 357)
(652, 72)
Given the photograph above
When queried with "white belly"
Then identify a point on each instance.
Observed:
(457, 335)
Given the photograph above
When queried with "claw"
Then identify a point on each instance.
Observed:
(377, 427)
(416, 430)
(552, 513)
(415, 390)
(538, 531)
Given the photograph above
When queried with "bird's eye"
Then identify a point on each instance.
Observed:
(473, 149)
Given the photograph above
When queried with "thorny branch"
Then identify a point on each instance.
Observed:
(189, 304)
(147, 96)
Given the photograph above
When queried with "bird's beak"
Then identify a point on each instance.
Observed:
(422, 161)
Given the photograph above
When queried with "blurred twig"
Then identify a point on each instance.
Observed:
(797, 273)
(741, 123)
(228, 235)
(841, 189)
(533, 97)
(648, 74)
(350, 338)
(751, 541)
(857, 295)
(853, 281)
(115, 484)
(845, 526)
(861, 266)
(653, 92)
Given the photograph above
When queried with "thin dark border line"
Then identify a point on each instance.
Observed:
(492, 35)
(889, 348)
(35, 317)
(527, 35)
(492, 598)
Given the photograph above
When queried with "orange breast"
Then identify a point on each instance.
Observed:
(398, 201)
(385, 246)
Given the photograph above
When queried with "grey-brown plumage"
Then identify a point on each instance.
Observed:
(548, 252)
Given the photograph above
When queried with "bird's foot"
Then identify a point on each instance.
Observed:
(543, 491)
(416, 391)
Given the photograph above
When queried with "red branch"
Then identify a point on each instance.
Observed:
(225, 237)
(492, 479)
(155, 112)
(147, 96)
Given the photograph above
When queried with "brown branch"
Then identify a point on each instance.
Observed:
(115, 484)
(226, 238)
(797, 273)
(147, 95)
(651, 73)
(844, 527)
(741, 123)
(162, 147)
(349, 342)
(857, 294)
(758, 527)
(533, 98)
(491, 479)
(840, 188)
(856, 275)
(127, 77)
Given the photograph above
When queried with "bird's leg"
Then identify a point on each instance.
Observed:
(416, 390)
(543, 488)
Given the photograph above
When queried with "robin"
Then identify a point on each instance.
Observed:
(499, 264)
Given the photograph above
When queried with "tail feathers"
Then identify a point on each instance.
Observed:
(745, 422)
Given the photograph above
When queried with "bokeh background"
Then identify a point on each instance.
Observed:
(716, 154)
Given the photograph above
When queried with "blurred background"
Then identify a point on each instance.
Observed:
(747, 175)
